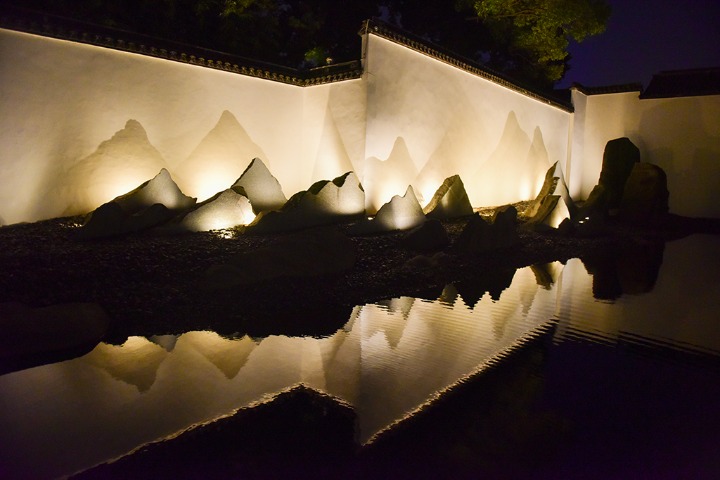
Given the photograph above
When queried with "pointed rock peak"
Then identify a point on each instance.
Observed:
(450, 200)
(400, 213)
(255, 167)
(161, 189)
(348, 177)
(261, 187)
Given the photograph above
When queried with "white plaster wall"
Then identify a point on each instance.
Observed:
(59, 101)
(428, 120)
(681, 135)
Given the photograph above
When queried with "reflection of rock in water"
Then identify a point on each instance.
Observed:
(492, 282)
(633, 271)
(488, 425)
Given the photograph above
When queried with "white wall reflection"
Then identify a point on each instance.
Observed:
(388, 361)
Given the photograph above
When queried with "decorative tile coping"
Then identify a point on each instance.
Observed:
(80, 32)
(406, 39)
(97, 35)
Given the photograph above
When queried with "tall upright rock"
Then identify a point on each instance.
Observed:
(261, 187)
(619, 158)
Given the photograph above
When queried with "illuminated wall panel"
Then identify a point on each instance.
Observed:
(499, 141)
(681, 135)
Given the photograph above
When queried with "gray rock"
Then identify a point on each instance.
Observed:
(400, 213)
(160, 189)
(554, 184)
(552, 212)
(619, 157)
(645, 197)
(226, 209)
(325, 202)
(261, 187)
(111, 220)
(449, 201)
(151, 204)
(429, 236)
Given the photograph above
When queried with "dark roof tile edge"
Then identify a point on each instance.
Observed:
(608, 89)
(406, 39)
(78, 32)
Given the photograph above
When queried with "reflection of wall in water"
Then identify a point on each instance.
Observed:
(388, 361)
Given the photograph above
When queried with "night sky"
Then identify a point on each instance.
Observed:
(647, 36)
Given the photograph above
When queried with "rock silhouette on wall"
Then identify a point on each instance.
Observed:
(261, 187)
(215, 161)
(151, 204)
(400, 213)
(124, 160)
(450, 200)
(385, 178)
(325, 202)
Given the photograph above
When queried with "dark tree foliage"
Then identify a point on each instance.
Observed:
(307, 33)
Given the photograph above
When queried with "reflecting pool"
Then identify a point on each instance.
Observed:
(630, 369)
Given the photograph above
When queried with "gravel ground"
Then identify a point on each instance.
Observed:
(151, 284)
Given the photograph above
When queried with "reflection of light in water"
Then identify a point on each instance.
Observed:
(389, 361)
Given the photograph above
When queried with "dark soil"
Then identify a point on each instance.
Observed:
(151, 284)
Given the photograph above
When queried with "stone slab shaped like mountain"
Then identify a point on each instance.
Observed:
(160, 189)
(110, 220)
(151, 204)
(124, 160)
(325, 202)
(554, 184)
(400, 213)
(553, 210)
(261, 187)
(227, 209)
(449, 201)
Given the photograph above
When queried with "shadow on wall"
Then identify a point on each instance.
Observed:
(689, 152)
(512, 171)
(128, 158)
